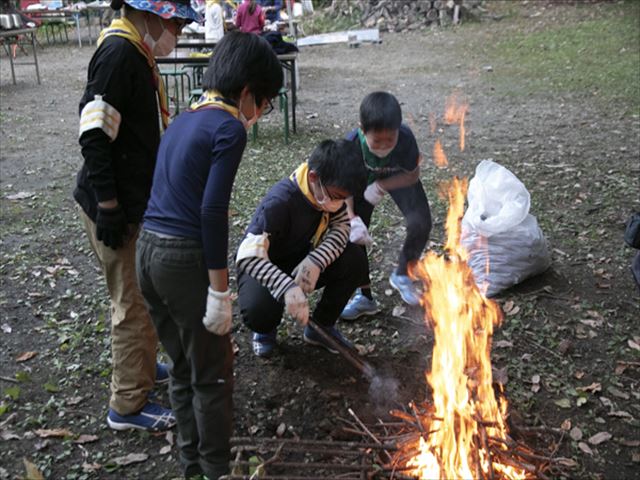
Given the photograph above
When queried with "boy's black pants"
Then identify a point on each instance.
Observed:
(262, 313)
(173, 279)
(412, 202)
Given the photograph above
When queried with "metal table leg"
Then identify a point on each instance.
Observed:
(35, 56)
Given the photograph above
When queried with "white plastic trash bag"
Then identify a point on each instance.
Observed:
(505, 243)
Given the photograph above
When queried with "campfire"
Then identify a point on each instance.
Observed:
(466, 418)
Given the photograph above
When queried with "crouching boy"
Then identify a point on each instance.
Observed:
(297, 242)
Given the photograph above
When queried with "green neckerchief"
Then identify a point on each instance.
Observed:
(372, 161)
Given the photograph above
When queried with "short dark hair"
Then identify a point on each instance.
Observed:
(244, 59)
(380, 111)
(338, 164)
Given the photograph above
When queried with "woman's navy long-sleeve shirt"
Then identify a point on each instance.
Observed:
(196, 166)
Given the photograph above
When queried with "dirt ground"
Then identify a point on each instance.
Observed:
(572, 331)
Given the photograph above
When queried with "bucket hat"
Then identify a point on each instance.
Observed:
(167, 8)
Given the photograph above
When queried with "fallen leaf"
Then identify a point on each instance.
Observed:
(606, 402)
(629, 443)
(20, 196)
(633, 345)
(535, 378)
(575, 434)
(6, 328)
(281, 429)
(41, 444)
(617, 393)
(73, 400)
(376, 332)
(599, 438)
(514, 311)
(566, 425)
(169, 437)
(23, 357)
(635, 457)
(500, 375)
(164, 450)
(621, 414)
(91, 467)
(32, 471)
(565, 346)
(585, 448)
(131, 458)
(503, 344)
(581, 401)
(508, 306)
(54, 432)
(566, 462)
(398, 311)
(563, 403)
(579, 374)
(9, 435)
(84, 438)
(594, 387)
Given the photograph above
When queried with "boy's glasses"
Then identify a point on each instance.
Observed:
(268, 108)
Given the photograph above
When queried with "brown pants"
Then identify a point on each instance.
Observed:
(133, 336)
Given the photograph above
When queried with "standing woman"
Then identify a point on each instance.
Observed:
(250, 17)
(182, 250)
(123, 112)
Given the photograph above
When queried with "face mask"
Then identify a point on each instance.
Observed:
(326, 203)
(164, 45)
(248, 122)
(380, 153)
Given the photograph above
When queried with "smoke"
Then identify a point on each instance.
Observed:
(383, 390)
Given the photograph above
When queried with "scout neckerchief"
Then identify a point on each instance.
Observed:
(121, 27)
(214, 99)
(300, 177)
(371, 161)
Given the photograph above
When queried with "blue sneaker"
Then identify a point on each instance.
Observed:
(264, 343)
(358, 306)
(152, 418)
(404, 285)
(162, 373)
(313, 338)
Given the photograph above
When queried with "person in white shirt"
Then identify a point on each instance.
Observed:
(213, 21)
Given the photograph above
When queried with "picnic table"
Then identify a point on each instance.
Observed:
(182, 57)
(16, 34)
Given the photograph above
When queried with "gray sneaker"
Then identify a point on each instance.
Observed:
(359, 306)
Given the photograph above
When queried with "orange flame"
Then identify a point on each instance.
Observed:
(439, 157)
(460, 376)
(454, 112)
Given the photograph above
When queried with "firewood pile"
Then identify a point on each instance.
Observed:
(406, 15)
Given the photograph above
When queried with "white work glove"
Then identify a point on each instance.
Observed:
(217, 319)
(306, 275)
(359, 233)
(296, 305)
(374, 193)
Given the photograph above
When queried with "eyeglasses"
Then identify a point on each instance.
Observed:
(327, 194)
(268, 109)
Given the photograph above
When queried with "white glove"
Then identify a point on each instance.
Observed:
(296, 305)
(306, 275)
(359, 233)
(217, 319)
(374, 193)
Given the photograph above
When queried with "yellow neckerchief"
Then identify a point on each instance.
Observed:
(121, 27)
(301, 178)
(214, 99)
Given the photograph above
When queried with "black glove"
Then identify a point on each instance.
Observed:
(111, 226)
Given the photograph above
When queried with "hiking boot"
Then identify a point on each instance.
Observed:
(313, 338)
(152, 418)
(404, 285)
(358, 306)
(162, 373)
(264, 343)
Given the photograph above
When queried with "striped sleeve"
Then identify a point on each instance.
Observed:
(334, 242)
(267, 274)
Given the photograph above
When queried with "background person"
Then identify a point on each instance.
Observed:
(213, 21)
(297, 242)
(182, 251)
(250, 17)
(389, 150)
(123, 111)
